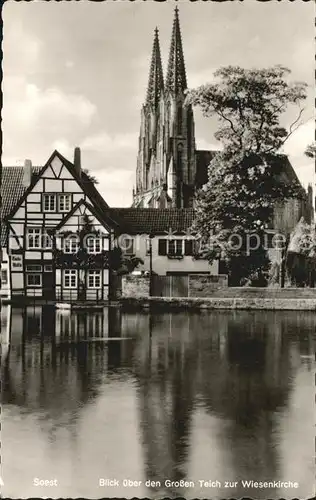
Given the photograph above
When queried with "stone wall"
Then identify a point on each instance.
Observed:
(135, 286)
(255, 303)
(205, 285)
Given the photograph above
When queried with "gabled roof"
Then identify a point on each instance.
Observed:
(13, 193)
(12, 189)
(105, 219)
(84, 182)
(152, 220)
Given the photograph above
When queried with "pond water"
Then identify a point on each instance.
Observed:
(185, 401)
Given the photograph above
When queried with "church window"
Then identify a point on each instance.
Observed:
(179, 119)
(179, 158)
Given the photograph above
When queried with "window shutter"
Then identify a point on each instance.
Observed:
(162, 247)
(188, 247)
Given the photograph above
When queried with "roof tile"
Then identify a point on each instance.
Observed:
(11, 191)
(152, 220)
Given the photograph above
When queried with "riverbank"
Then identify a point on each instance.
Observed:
(274, 299)
(268, 304)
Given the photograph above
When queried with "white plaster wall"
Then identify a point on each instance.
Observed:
(162, 264)
(17, 281)
(53, 185)
(5, 287)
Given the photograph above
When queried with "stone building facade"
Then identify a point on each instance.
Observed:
(169, 167)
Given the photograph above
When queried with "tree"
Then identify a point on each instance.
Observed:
(311, 150)
(121, 263)
(301, 255)
(91, 177)
(244, 179)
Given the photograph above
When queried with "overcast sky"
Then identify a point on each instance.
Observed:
(75, 74)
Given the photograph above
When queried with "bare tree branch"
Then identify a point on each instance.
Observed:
(292, 130)
(231, 124)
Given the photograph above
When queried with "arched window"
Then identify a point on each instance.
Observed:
(179, 161)
(179, 120)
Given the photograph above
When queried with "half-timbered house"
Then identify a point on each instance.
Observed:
(81, 244)
(55, 199)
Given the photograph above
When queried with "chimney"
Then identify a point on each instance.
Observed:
(77, 161)
(27, 173)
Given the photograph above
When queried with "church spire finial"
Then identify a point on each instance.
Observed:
(155, 82)
(176, 80)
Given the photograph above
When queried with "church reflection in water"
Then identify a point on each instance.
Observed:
(209, 386)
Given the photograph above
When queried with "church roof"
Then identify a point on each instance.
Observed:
(284, 170)
(153, 220)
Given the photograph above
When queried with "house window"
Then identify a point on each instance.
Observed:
(49, 203)
(94, 279)
(34, 236)
(33, 279)
(48, 268)
(94, 245)
(71, 244)
(47, 241)
(64, 203)
(70, 278)
(33, 268)
(175, 247)
(4, 277)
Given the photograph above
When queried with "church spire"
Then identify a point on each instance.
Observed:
(176, 80)
(155, 82)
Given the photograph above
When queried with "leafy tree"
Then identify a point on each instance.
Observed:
(301, 255)
(91, 177)
(121, 263)
(244, 179)
(311, 150)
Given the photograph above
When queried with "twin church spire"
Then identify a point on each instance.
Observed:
(165, 173)
(176, 80)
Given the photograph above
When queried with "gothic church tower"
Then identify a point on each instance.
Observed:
(165, 175)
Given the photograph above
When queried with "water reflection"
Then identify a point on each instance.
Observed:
(163, 397)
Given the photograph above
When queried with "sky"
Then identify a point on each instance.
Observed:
(76, 73)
